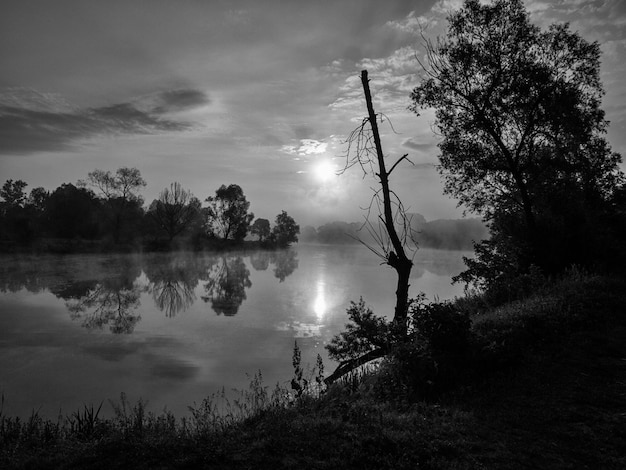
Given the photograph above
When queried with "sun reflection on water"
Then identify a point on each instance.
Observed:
(319, 305)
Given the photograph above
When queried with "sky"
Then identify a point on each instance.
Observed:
(257, 93)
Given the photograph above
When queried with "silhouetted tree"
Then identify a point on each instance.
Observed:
(13, 219)
(12, 193)
(519, 112)
(120, 193)
(285, 231)
(392, 233)
(37, 199)
(227, 214)
(175, 210)
(73, 212)
(261, 228)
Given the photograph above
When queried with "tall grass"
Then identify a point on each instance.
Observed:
(132, 422)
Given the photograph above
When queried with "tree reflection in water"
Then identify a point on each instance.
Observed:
(111, 301)
(285, 262)
(105, 290)
(173, 280)
(226, 287)
(107, 305)
(260, 260)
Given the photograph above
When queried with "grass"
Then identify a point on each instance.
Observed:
(545, 388)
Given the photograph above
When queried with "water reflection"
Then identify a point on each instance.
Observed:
(226, 287)
(173, 279)
(260, 260)
(107, 304)
(285, 262)
(179, 347)
(320, 306)
(110, 300)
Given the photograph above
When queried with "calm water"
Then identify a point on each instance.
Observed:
(173, 328)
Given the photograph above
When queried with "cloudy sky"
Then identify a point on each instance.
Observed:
(257, 93)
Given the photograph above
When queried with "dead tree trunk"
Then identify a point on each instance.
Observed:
(392, 251)
(397, 258)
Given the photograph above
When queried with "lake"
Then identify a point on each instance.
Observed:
(173, 328)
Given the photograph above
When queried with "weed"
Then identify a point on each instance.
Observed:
(85, 423)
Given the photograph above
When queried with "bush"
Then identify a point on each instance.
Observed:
(428, 359)
(441, 326)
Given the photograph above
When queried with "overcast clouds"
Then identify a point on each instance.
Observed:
(250, 92)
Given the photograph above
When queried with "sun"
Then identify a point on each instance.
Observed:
(324, 171)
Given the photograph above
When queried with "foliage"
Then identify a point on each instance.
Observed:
(74, 218)
(123, 184)
(365, 332)
(440, 325)
(121, 201)
(305, 386)
(436, 340)
(519, 112)
(12, 193)
(73, 212)
(285, 230)
(227, 214)
(261, 228)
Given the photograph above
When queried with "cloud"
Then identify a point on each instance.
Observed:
(392, 78)
(31, 121)
(173, 101)
(306, 147)
(410, 143)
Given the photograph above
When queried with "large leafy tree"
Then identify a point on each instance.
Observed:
(227, 213)
(13, 223)
(12, 193)
(518, 109)
(285, 230)
(261, 228)
(73, 212)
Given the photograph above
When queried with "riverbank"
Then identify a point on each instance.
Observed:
(547, 391)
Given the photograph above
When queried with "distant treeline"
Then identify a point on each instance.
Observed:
(106, 212)
(456, 234)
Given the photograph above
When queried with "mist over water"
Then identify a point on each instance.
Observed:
(172, 328)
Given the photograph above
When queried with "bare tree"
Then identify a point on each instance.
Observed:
(175, 210)
(390, 227)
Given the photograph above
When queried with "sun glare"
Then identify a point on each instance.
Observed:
(319, 305)
(324, 171)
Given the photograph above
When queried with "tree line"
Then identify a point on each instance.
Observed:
(107, 209)
(444, 234)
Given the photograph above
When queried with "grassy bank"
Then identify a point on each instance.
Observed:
(543, 386)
